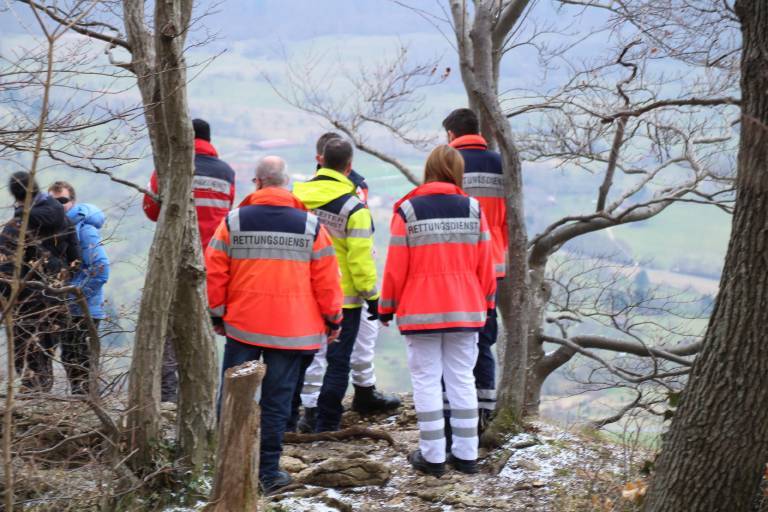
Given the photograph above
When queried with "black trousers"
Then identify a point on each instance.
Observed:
(76, 354)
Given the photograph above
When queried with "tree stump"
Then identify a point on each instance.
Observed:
(236, 480)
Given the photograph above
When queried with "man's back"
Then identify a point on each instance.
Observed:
(272, 270)
(333, 198)
(484, 180)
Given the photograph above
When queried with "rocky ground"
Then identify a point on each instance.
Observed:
(544, 468)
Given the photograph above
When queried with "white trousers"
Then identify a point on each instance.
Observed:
(361, 361)
(450, 356)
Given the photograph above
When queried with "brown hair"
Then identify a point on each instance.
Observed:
(58, 186)
(444, 164)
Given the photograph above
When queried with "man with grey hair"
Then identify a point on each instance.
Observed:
(274, 292)
(271, 172)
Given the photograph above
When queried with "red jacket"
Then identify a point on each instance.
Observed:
(439, 273)
(272, 273)
(484, 180)
(213, 188)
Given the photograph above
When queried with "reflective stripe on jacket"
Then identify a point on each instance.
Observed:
(484, 180)
(332, 197)
(272, 273)
(213, 187)
(439, 273)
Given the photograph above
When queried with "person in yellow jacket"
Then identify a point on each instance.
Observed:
(332, 197)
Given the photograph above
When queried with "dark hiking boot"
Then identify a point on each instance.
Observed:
(464, 466)
(269, 487)
(419, 463)
(308, 420)
(368, 400)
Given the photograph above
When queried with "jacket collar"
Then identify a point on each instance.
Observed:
(273, 196)
(336, 175)
(469, 142)
(430, 189)
(203, 147)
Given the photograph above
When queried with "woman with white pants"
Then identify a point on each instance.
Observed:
(439, 282)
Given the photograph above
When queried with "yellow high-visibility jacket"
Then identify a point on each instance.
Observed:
(332, 197)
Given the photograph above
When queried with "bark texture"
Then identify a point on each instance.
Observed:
(480, 45)
(715, 452)
(236, 480)
(173, 279)
(196, 355)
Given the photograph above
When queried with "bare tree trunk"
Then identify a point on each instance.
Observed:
(714, 454)
(536, 369)
(161, 75)
(196, 354)
(237, 461)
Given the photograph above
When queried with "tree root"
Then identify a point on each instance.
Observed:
(340, 435)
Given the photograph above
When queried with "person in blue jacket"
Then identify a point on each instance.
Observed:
(91, 277)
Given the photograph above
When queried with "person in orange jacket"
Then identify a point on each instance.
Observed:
(213, 188)
(483, 180)
(439, 282)
(274, 291)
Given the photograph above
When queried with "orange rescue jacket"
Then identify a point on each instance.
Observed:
(439, 273)
(272, 273)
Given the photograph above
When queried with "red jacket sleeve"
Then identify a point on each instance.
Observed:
(396, 268)
(486, 273)
(151, 207)
(217, 269)
(326, 278)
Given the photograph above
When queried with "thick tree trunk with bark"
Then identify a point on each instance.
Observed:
(174, 278)
(714, 455)
(236, 479)
(195, 349)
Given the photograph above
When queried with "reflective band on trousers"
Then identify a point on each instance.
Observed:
(463, 431)
(432, 435)
(275, 341)
(213, 203)
(429, 415)
(437, 318)
(464, 414)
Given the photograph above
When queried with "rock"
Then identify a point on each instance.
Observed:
(538, 483)
(528, 465)
(292, 464)
(338, 472)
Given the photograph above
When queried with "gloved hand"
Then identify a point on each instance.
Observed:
(373, 309)
(386, 318)
(332, 330)
(218, 325)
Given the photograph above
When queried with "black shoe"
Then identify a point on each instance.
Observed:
(269, 487)
(308, 420)
(420, 464)
(367, 400)
(464, 466)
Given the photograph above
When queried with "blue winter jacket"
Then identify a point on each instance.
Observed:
(94, 270)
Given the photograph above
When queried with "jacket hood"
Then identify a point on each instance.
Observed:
(203, 147)
(469, 142)
(273, 196)
(429, 189)
(88, 213)
(318, 192)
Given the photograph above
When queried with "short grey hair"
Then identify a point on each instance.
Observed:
(271, 172)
